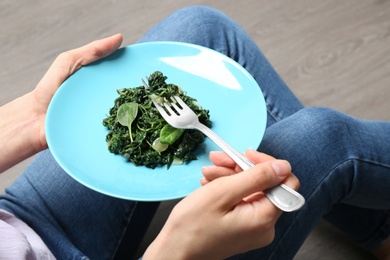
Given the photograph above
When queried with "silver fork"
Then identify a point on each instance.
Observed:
(183, 117)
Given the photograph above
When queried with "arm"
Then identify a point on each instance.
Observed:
(227, 216)
(22, 132)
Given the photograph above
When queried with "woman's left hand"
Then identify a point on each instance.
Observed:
(64, 66)
(22, 121)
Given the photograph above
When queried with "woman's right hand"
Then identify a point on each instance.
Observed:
(228, 216)
(225, 166)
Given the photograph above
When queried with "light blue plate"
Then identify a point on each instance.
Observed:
(76, 136)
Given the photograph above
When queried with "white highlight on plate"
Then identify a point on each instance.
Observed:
(206, 66)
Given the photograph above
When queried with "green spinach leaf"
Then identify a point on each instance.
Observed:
(126, 114)
(170, 134)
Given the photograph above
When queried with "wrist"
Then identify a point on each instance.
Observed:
(166, 247)
(157, 250)
(21, 131)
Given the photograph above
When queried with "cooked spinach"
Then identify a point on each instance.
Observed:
(139, 133)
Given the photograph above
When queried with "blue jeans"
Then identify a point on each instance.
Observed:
(73, 220)
(342, 163)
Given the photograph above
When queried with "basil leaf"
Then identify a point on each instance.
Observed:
(169, 134)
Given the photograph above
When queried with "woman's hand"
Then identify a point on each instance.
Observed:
(22, 121)
(229, 215)
(63, 66)
(225, 166)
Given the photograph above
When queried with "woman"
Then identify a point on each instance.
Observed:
(222, 218)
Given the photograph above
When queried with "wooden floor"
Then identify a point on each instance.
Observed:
(331, 53)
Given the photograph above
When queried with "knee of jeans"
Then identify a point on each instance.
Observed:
(200, 13)
(193, 24)
(320, 123)
(310, 130)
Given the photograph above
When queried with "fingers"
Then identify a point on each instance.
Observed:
(292, 181)
(211, 173)
(90, 52)
(221, 159)
(259, 178)
(257, 157)
(68, 62)
(224, 166)
(64, 66)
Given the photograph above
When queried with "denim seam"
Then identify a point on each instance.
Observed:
(268, 104)
(379, 236)
(383, 232)
(376, 163)
(298, 214)
(124, 230)
(294, 220)
(270, 108)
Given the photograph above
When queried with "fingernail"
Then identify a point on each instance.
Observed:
(203, 181)
(281, 167)
(206, 168)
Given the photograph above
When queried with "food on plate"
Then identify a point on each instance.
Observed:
(138, 132)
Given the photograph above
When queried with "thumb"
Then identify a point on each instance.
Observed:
(259, 178)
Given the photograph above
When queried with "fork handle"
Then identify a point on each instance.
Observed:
(281, 196)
